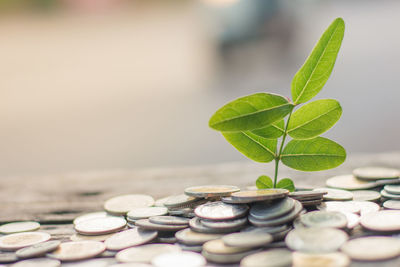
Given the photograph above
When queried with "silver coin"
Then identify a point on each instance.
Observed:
(382, 221)
(185, 212)
(386, 194)
(197, 249)
(270, 258)
(207, 191)
(366, 195)
(372, 248)
(169, 220)
(266, 229)
(366, 206)
(189, 237)
(197, 226)
(339, 206)
(145, 253)
(180, 200)
(376, 173)
(324, 219)
(146, 212)
(129, 238)
(266, 211)
(332, 259)
(17, 241)
(18, 227)
(184, 258)
(218, 246)
(316, 239)
(79, 237)
(308, 203)
(92, 215)
(226, 259)
(392, 189)
(307, 194)
(229, 200)
(229, 224)
(392, 204)
(167, 240)
(247, 239)
(121, 205)
(100, 226)
(387, 181)
(38, 249)
(335, 194)
(80, 250)
(260, 194)
(39, 262)
(349, 182)
(146, 224)
(7, 257)
(221, 211)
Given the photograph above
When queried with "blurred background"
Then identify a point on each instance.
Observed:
(106, 84)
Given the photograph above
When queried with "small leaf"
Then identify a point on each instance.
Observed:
(264, 182)
(286, 183)
(313, 119)
(253, 146)
(250, 112)
(272, 131)
(316, 70)
(315, 154)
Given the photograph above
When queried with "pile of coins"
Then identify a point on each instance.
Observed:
(355, 218)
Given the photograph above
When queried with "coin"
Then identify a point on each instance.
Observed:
(185, 212)
(229, 200)
(336, 194)
(349, 182)
(366, 195)
(17, 227)
(339, 206)
(266, 211)
(184, 258)
(280, 220)
(189, 237)
(366, 206)
(169, 220)
(197, 226)
(352, 219)
(79, 237)
(310, 194)
(270, 258)
(92, 215)
(308, 203)
(145, 253)
(383, 221)
(146, 224)
(392, 204)
(100, 226)
(260, 194)
(266, 229)
(392, 189)
(207, 191)
(73, 251)
(180, 200)
(38, 249)
(121, 205)
(146, 212)
(220, 211)
(191, 248)
(324, 219)
(247, 239)
(225, 259)
(376, 173)
(332, 259)
(129, 238)
(39, 262)
(229, 224)
(102, 262)
(316, 239)
(7, 257)
(372, 248)
(218, 246)
(386, 194)
(160, 202)
(20, 240)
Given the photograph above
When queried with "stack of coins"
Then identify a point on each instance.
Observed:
(308, 198)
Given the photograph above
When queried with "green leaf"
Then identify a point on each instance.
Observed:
(286, 183)
(253, 146)
(264, 182)
(250, 112)
(272, 131)
(315, 154)
(315, 72)
(314, 118)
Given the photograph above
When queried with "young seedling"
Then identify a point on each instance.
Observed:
(254, 123)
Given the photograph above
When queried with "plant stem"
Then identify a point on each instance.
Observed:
(278, 157)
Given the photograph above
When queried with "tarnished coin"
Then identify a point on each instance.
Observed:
(197, 226)
(184, 258)
(336, 194)
(376, 173)
(316, 239)
(130, 238)
(229, 224)
(38, 249)
(218, 246)
(73, 251)
(383, 221)
(184, 212)
(146, 224)
(207, 191)
(145, 253)
(332, 259)
(280, 220)
(366, 195)
(144, 213)
(392, 204)
(247, 239)
(266, 210)
(260, 194)
(20, 240)
(386, 194)
(39, 262)
(324, 219)
(100, 226)
(372, 248)
(169, 220)
(269, 258)
(121, 205)
(92, 215)
(180, 200)
(349, 182)
(221, 211)
(7, 257)
(340, 206)
(392, 189)
(17, 227)
(189, 237)
(79, 237)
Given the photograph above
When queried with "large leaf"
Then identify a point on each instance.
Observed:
(313, 154)
(314, 118)
(250, 112)
(272, 131)
(315, 72)
(286, 183)
(253, 146)
(264, 182)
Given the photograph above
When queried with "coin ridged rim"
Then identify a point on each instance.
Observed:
(146, 224)
(231, 224)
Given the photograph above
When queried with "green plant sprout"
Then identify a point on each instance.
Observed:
(254, 123)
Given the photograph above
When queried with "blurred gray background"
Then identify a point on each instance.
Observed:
(111, 84)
